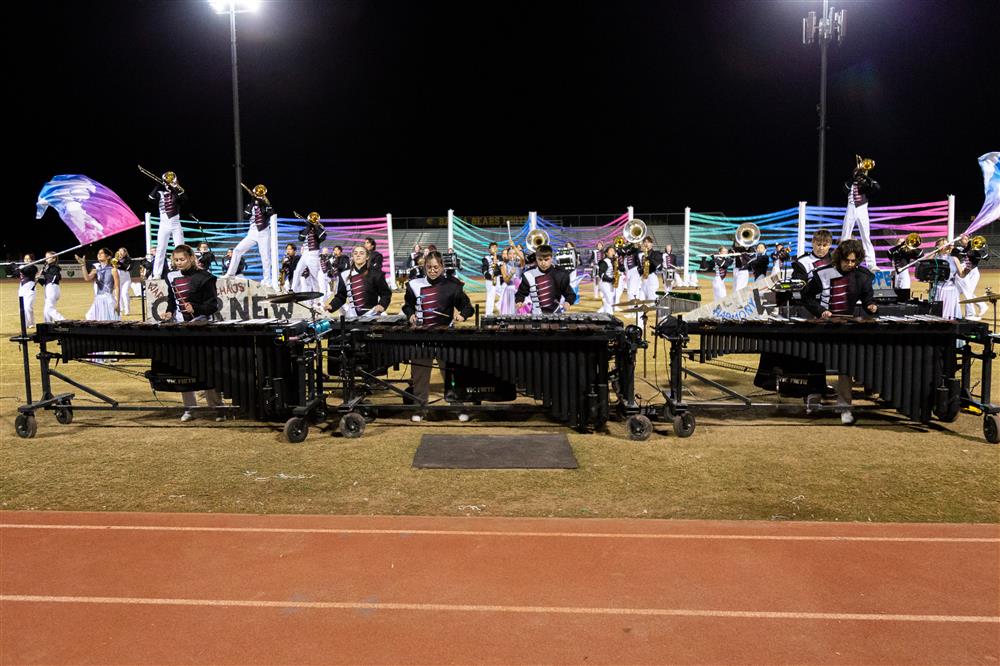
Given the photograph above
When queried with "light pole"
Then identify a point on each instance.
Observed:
(234, 8)
(830, 26)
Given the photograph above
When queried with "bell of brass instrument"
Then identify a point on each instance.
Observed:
(617, 274)
(536, 238)
(911, 241)
(620, 242)
(635, 231)
(865, 164)
(747, 234)
(313, 217)
(978, 243)
(259, 192)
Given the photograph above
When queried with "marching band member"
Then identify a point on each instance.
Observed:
(858, 188)
(947, 291)
(545, 284)
(361, 289)
(833, 290)
(456, 268)
(650, 261)
(308, 274)
(719, 264)
(169, 196)
(326, 268)
(375, 257)
(901, 254)
(511, 272)
(418, 252)
(259, 212)
(741, 267)
(192, 296)
(418, 270)
(574, 275)
(670, 264)
(967, 283)
(759, 262)
(27, 273)
(598, 258)
(288, 266)
(205, 257)
(124, 264)
(605, 279)
(631, 264)
(493, 276)
(780, 255)
(430, 303)
(341, 262)
(806, 266)
(228, 261)
(50, 278)
(106, 287)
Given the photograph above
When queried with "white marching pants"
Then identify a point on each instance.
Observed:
(719, 287)
(262, 239)
(650, 286)
(902, 280)
(967, 286)
(52, 293)
(493, 294)
(27, 292)
(170, 227)
(597, 284)
(948, 295)
(859, 214)
(741, 278)
(125, 282)
(310, 260)
(634, 283)
(607, 297)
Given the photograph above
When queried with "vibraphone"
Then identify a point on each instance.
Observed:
(911, 362)
(257, 364)
(569, 363)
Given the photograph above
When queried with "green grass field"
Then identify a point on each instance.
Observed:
(734, 467)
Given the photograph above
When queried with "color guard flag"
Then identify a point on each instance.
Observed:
(89, 209)
(991, 182)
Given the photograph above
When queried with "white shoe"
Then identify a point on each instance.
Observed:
(846, 418)
(219, 419)
(416, 418)
(463, 417)
(187, 416)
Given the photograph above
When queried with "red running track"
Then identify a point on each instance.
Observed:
(134, 588)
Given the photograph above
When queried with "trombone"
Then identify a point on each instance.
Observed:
(169, 179)
(253, 193)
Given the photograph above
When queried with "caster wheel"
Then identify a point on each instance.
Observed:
(684, 424)
(64, 415)
(26, 426)
(296, 429)
(639, 427)
(991, 428)
(367, 414)
(352, 425)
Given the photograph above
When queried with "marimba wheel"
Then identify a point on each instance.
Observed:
(352, 425)
(296, 429)
(684, 424)
(64, 415)
(639, 427)
(25, 426)
(991, 428)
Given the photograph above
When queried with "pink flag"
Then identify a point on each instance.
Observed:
(89, 209)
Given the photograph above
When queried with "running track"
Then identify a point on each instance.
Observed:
(232, 589)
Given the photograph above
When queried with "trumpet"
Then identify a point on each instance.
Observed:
(169, 179)
(258, 192)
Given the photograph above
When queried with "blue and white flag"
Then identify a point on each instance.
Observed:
(991, 183)
(91, 210)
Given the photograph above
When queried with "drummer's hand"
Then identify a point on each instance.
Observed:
(565, 307)
(378, 309)
(872, 308)
(413, 320)
(328, 308)
(459, 318)
(826, 314)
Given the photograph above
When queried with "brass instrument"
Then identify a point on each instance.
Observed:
(311, 218)
(645, 266)
(617, 273)
(864, 164)
(634, 231)
(537, 238)
(168, 179)
(978, 243)
(258, 192)
(747, 234)
(620, 242)
(911, 241)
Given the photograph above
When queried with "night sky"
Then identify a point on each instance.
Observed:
(362, 108)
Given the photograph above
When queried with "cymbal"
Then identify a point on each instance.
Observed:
(636, 308)
(295, 297)
(988, 298)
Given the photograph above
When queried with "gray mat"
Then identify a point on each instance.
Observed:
(525, 451)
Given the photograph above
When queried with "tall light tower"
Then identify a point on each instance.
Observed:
(825, 29)
(232, 9)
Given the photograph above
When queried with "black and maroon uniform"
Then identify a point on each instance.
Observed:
(860, 186)
(376, 261)
(51, 274)
(829, 289)
(27, 273)
(168, 201)
(312, 236)
(361, 291)
(259, 213)
(435, 301)
(545, 288)
(193, 286)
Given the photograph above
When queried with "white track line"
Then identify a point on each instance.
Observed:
(462, 608)
(485, 533)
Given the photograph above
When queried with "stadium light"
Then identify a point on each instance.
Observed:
(823, 29)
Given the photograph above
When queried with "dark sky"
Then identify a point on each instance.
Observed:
(358, 108)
